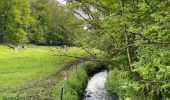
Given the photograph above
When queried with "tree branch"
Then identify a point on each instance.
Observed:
(148, 3)
(62, 26)
(158, 43)
(153, 81)
(127, 49)
(149, 40)
(88, 57)
(144, 38)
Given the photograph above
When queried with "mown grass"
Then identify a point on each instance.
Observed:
(19, 66)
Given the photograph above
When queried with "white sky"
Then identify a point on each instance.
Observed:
(62, 2)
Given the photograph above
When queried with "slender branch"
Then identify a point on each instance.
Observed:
(144, 38)
(142, 80)
(112, 37)
(149, 40)
(153, 81)
(94, 55)
(127, 46)
(159, 43)
(62, 26)
(72, 56)
(127, 49)
(88, 57)
(148, 3)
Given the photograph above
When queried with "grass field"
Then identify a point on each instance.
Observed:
(19, 66)
(34, 72)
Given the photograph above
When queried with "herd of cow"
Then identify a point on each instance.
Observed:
(17, 47)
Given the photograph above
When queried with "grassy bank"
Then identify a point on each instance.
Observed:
(75, 81)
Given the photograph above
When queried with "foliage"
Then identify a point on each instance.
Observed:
(51, 24)
(135, 35)
(42, 22)
(124, 87)
(14, 19)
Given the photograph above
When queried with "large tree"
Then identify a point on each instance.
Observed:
(14, 19)
(135, 35)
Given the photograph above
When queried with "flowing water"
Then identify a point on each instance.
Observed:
(96, 88)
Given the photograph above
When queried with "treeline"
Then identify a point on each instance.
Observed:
(42, 22)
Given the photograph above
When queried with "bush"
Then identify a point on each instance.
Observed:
(119, 83)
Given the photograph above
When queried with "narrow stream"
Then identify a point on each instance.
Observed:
(96, 88)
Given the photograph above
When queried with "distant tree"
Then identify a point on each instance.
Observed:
(15, 20)
(50, 23)
(3, 19)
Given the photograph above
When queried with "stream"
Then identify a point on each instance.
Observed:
(96, 88)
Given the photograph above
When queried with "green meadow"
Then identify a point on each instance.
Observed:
(19, 66)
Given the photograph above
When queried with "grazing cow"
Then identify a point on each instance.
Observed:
(24, 46)
(12, 46)
(63, 46)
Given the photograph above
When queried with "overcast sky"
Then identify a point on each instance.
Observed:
(62, 2)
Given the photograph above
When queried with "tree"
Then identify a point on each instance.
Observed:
(135, 35)
(15, 20)
(50, 23)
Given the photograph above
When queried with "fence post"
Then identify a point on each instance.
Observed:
(83, 64)
(76, 68)
(67, 78)
(62, 91)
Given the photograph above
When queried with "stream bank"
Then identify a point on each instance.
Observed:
(77, 79)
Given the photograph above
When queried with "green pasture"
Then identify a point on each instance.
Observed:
(18, 66)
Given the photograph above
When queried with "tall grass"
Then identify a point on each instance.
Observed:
(74, 83)
(76, 80)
